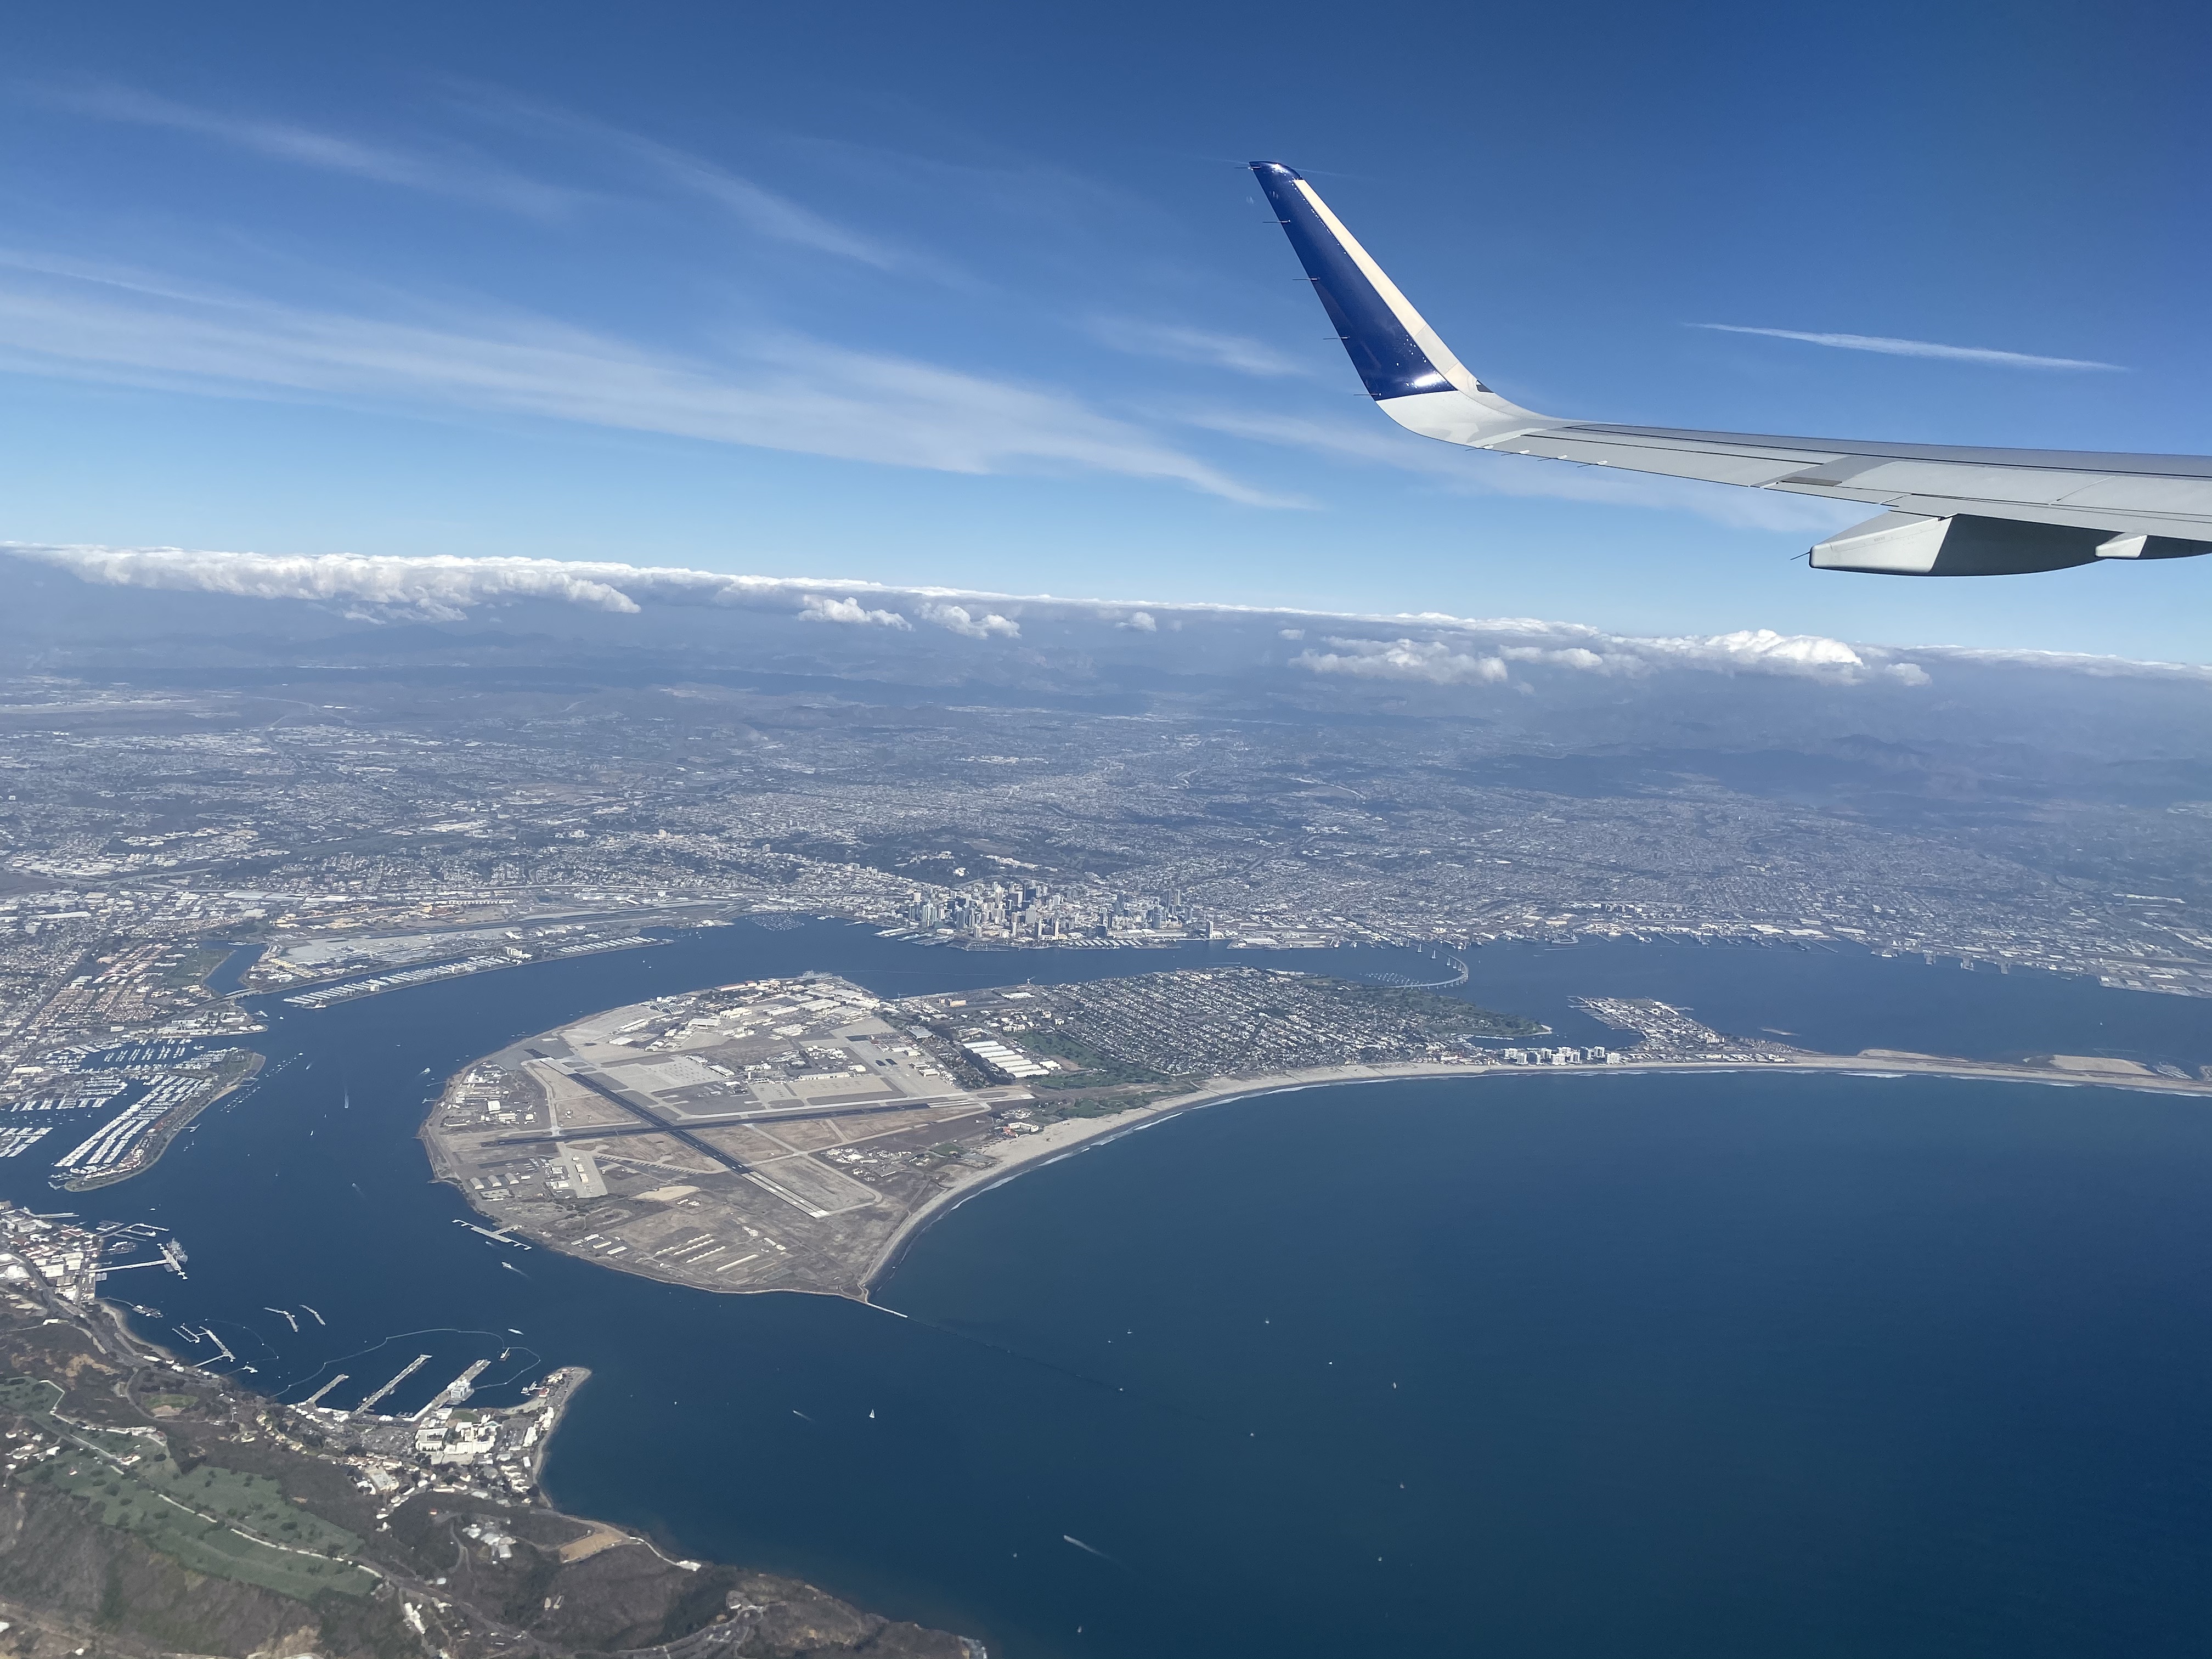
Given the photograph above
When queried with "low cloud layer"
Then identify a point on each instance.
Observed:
(1429, 649)
(1476, 653)
(441, 588)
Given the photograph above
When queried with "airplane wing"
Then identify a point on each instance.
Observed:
(1951, 512)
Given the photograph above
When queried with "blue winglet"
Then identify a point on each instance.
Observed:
(1389, 360)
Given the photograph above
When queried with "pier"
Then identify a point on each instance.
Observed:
(500, 1237)
(406, 1371)
(455, 1391)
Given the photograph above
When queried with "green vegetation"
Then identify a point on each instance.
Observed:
(1440, 1016)
(201, 1520)
(1098, 1070)
(194, 967)
(27, 1397)
(1100, 1105)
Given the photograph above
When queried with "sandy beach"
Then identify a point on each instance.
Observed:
(1071, 1135)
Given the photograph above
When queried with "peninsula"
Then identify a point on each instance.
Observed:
(782, 1134)
(794, 1134)
(149, 1507)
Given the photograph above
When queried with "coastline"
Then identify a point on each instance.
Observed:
(681, 1156)
(1071, 1136)
(305, 1528)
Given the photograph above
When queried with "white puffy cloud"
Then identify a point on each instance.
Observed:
(1476, 653)
(1572, 656)
(975, 625)
(438, 588)
(1431, 661)
(1763, 650)
(1432, 648)
(2078, 662)
(815, 608)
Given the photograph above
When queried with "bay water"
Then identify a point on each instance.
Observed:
(1645, 1365)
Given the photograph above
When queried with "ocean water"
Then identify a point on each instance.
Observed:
(1529, 1365)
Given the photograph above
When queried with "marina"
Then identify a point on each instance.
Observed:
(163, 1086)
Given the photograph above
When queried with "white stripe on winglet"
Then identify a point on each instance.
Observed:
(1424, 336)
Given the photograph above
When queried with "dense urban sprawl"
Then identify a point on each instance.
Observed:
(143, 834)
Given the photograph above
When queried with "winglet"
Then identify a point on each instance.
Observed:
(1397, 354)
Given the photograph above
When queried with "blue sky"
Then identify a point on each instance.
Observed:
(980, 295)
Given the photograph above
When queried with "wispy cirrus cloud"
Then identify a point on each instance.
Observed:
(777, 392)
(1208, 347)
(1888, 346)
(761, 210)
(461, 172)
(446, 171)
